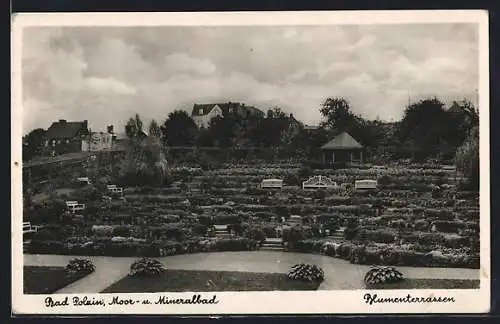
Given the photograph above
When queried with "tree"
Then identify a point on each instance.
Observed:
(145, 164)
(226, 130)
(338, 118)
(467, 158)
(336, 113)
(179, 129)
(133, 127)
(424, 124)
(34, 143)
(462, 116)
(154, 129)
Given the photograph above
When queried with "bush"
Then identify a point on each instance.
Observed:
(199, 229)
(384, 180)
(448, 226)
(382, 275)
(295, 234)
(46, 247)
(146, 267)
(255, 233)
(233, 244)
(377, 236)
(123, 231)
(350, 233)
(306, 272)
(80, 267)
(467, 158)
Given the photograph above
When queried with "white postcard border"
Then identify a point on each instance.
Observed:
(319, 302)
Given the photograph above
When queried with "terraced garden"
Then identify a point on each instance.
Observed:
(418, 216)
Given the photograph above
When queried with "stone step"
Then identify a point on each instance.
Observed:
(224, 236)
(272, 244)
(271, 248)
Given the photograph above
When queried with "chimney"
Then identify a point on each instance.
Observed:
(110, 129)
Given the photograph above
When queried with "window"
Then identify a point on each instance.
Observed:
(67, 141)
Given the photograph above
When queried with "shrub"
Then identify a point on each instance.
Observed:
(238, 244)
(80, 267)
(448, 226)
(306, 272)
(384, 180)
(350, 233)
(382, 275)
(199, 229)
(295, 234)
(269, 230)
(255, 233)
(146, 267)
(377, 236)
(46, 247)
(467, 158)
(123, 231)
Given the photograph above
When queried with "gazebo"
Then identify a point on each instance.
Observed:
(343, 148)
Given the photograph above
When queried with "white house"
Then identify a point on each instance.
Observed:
(98, 142)
(202, 114)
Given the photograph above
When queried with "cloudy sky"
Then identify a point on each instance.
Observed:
(106, 74)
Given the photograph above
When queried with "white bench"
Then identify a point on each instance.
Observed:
(84, 180)
(114, 189)
(271, 184)
(319, 182)
(74, 206)
(365, 184)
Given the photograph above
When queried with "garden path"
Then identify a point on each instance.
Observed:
(339, 274)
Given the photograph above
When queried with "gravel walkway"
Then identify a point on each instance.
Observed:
(339, 274)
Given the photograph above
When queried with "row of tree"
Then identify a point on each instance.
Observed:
(427, 125)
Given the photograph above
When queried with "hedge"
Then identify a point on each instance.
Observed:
(141, 249)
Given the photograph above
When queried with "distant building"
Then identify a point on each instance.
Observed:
(121, 141)
(66, 137)
(310, 128)
(98, 141)
(343, 148)
(202, 114)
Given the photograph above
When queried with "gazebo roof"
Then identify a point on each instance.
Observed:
(342, 141)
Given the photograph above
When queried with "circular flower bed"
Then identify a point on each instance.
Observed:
(382, 275)
(146, 267)
(306, 272)
(80, 267)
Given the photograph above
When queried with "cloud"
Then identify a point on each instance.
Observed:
(109, 85)
(106, 74)
(180, 62)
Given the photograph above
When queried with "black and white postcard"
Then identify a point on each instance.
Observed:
(250, 163)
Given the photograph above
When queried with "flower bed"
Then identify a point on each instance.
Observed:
(358, 253)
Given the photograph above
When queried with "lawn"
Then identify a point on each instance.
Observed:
(430, 284)
(190, 280)
(46, 280)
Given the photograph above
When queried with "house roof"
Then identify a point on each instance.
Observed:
(64, 129)
(342, 141)
(203, 109)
